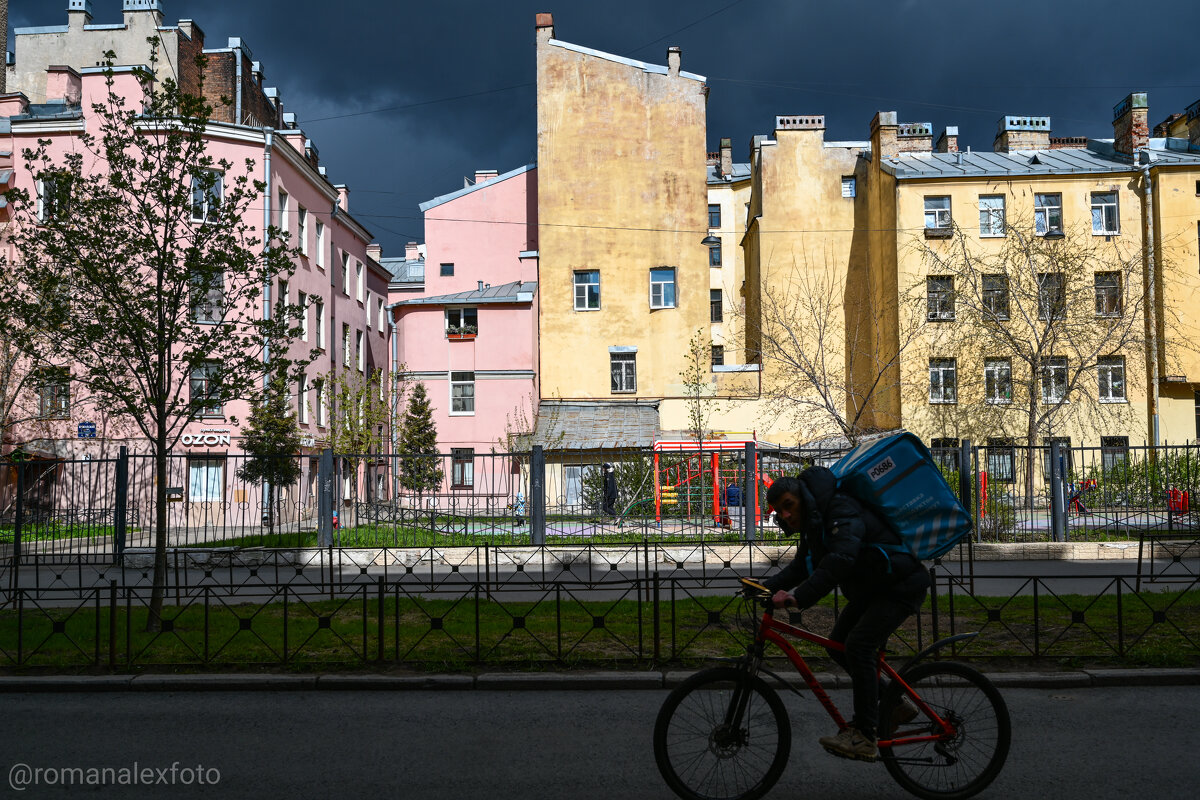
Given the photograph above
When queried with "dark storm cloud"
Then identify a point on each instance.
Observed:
(447, 71)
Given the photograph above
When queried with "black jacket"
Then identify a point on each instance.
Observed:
(837, 547)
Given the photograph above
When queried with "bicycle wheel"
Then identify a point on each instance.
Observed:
(960, 767)
(703, 759)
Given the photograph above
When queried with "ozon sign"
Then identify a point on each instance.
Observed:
(209, 438)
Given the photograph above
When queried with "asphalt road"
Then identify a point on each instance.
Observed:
(1085, 744)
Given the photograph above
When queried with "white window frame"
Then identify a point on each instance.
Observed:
(997, 381)
(358, 280)
(1110, 376)
(302, 301)
(320, 244)
(991, 294)
(209, 206)
(345, 273)
(360, 356)
(346, 354)
(662, 286)
(626, 382)
(206, 480)
(367, 309)
(939, 370)
(1047, 210)
(379, 317)
(462, 404)
(1054, 375)
(209, 309)
(302, 228)
(582, 295)
(199, 387)
(992, 216)
(937, 217)
(457, 317)
(321, 391)
(1106, 216)
(1052, 295)
(939, 298)
(284, 226)
(302, 399)
(320, 315)
(1106, 291)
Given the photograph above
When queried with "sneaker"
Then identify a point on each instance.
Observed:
(851, 743)
(903, 713)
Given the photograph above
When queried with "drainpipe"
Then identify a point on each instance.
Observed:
(237, 54)
(268, 144)
(393, 335)
(1152, 304)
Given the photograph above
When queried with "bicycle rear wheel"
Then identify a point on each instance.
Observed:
(702, 758)
(955, 768)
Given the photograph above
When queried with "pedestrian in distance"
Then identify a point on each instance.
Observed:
(841, 543)
(518, 508)
(610, 490)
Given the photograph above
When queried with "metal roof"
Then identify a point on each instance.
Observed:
(446, 198)
(405, 270)
(594, 426)
(1097, 157)
(741, 172)
(515, 292)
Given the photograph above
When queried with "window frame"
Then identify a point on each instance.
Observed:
(320, 243)
(54, 392)
(718, 355)
(990, 296)
(714, 208)
(945, 452)
(997, 381)
(201, 387)
(1001, 460)
(628, 373)
(210, 468)
(446, 270)
(346, 354)
(360, 355)
(1052, 300)
(302, 302)
(381, 310)
(1110, 212)
(302, 228)
(937, 299)
(941, 217)
(938, 394)
(1108, 295)
(319, 314)
(1114, 450)
(665, 287)
(359, 285)
(208, 303)
(467, 317)
(1045, 212)
(284, 225)
(577, 284)
(988, 217)
(1054, 370)
(714, 254)
(462, 404)
(1064, 443)
(462, 468)
(212, 200)
(345, 273)
(1108, 367)
(716, 306)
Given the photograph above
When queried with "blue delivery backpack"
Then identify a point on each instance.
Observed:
(897, 478)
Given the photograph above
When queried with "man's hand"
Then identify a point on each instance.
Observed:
(782, 599)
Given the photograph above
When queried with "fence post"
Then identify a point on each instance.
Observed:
(750, 493)
(325, 499)
(1058, 515)
(537, 496)
(20, 512)
(966, 477)
(121, 505)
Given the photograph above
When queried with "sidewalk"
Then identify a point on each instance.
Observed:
(524, 681)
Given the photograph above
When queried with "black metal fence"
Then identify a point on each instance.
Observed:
(103, 509)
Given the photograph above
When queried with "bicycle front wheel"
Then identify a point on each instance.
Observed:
(952, 768)
(701, 757)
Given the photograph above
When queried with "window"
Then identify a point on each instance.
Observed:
(320, 315)
(718, 355)
(360, 360)
(1054, 379)
(282, 299)
(937, 212)
(991, 215)
(623, 367)
(1047, 213)
(208, 298)
(284, 222)
(302, 228)
(714, 215)
(997, 380)
(945, 453)
(995, 297)
(54, 393)
(346, 274)
(206, 394)
(302, 301)
(943, 383)
(208, 190)
(447, 270)
(662, 287)
(715, 310)
(462, 320)
(462, 392)
(1052, 295)
(358, 281)
(1001, 458)
(379, 315)
(1064, 444)
(322, 406)
(206, 478)
(587, 290)
(714, 254)
(462, 467)
(849, 186)
(939, 292)
(367, 309)
(1108, 294)
(1113, 451)
(1104, 214)
(302, 399)
(345, 345)
(320, 244)
(1111, 373)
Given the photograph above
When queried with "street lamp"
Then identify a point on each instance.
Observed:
(710, 241)
(1054, 233)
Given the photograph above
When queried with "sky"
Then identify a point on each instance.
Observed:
(404, 99)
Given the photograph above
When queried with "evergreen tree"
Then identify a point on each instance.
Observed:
(420, 467)
(272, 438)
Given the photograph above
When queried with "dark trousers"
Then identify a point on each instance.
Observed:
(864, 627)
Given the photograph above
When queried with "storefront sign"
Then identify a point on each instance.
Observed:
(87, 430)
(209, 437)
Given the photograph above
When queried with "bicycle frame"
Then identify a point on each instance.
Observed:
(774, 631)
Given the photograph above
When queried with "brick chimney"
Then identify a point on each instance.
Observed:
(1193, 123)
(544, 23)
(343, 200)
(1021, 132)
(1131, 124)
(674, 56)
(411, 251)
(725, 165)
(883, 135)
(485, 175)
(374, 251)
(948, 141)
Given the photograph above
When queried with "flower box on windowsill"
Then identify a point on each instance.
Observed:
(938, 233)
(460, 337)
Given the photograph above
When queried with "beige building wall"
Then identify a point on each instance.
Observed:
(621, 190)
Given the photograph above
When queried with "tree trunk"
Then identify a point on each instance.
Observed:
(158, 592)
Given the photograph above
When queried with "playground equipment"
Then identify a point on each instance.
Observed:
(693, 478)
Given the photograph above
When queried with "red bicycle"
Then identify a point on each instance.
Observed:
(724, 732)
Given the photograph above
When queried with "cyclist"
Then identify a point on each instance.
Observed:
(844, 544)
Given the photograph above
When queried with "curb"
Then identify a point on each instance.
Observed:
(541, 681)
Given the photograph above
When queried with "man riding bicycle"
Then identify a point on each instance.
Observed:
(844, 544)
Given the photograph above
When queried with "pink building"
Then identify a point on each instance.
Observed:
(471, 334)
(337, 279)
